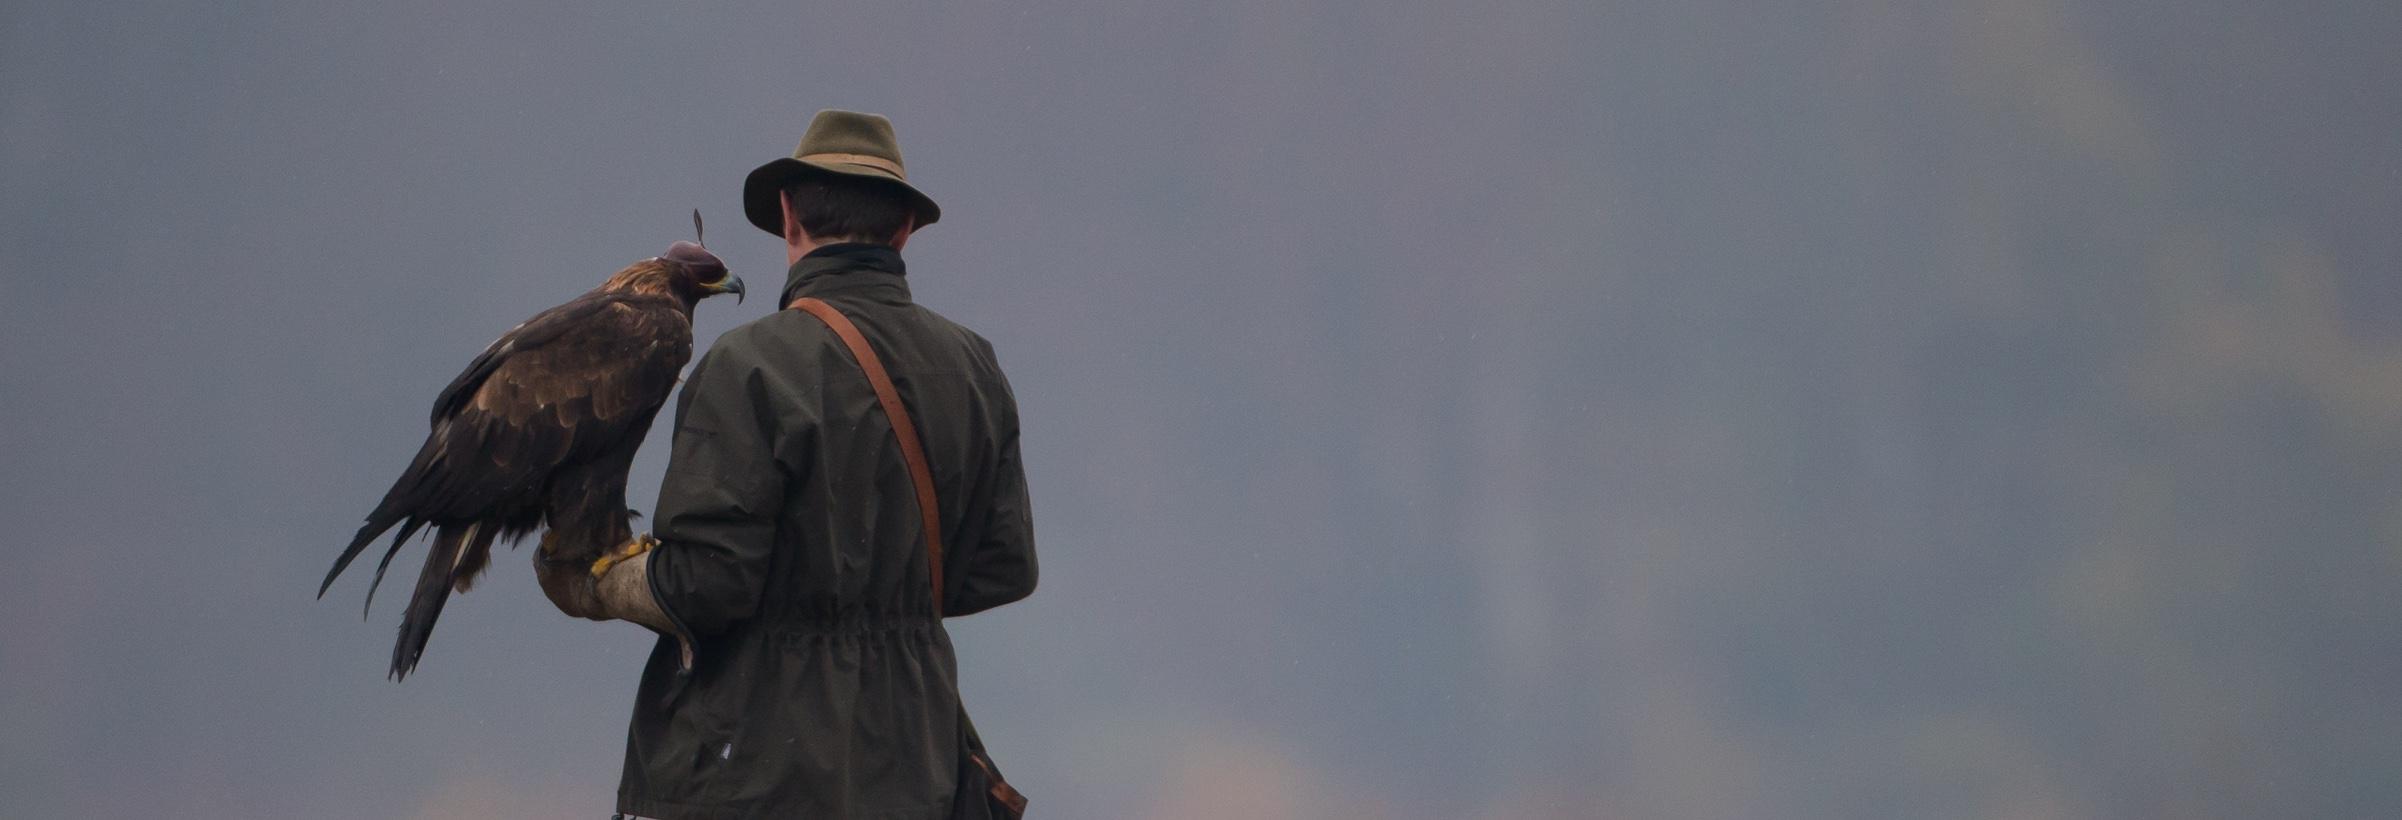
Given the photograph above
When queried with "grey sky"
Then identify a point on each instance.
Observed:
(1845, 409)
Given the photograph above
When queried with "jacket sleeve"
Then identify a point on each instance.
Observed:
(718, 504)
(1000, 568)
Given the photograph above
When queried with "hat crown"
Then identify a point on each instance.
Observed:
(845, 143)
(835, 132)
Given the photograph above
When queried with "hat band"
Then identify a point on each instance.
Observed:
(878, 163)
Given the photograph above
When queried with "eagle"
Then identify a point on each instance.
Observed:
(540, 431)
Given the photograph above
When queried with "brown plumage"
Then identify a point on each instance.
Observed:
(540, 431)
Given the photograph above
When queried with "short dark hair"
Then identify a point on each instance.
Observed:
(837, 208)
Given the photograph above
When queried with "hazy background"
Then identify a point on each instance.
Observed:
(1695, 409)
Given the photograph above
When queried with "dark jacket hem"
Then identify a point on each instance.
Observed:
(665, 810)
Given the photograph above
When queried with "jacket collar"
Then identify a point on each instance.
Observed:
(845, 267)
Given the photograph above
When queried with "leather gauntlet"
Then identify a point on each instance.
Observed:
(624, 589)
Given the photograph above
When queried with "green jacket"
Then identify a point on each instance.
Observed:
(790, 551)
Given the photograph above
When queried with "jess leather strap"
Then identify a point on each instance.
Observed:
(903, 428)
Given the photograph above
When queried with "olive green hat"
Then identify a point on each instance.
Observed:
(837, 142)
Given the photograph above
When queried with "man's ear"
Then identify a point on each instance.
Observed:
(792, 227)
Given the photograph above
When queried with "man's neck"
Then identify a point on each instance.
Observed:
(798, 243)
(793, 251)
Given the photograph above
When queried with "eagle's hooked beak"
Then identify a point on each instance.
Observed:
(731, 284)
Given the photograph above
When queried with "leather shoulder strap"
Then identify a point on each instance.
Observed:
(903, 428)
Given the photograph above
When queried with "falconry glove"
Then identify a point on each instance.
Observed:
(622, 582)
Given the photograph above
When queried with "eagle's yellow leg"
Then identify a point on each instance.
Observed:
(634, 548)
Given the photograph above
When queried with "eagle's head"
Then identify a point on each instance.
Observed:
(693, 273)
(686, 271)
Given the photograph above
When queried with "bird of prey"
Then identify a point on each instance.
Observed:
(540, 431)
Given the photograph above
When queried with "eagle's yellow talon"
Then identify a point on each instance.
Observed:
(633, 548)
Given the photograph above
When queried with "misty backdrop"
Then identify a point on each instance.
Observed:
(1831, 409)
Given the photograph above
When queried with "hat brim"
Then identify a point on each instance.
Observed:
(762, 191)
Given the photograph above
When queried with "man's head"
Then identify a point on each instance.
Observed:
(843, 183)
(822, 209)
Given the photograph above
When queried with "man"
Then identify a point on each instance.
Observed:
(801, 670)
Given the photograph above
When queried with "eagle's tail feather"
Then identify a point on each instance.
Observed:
(376, 525)
(442, 563)
(399, 538)
(475, 558)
